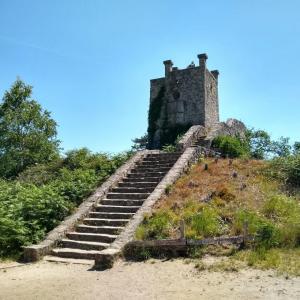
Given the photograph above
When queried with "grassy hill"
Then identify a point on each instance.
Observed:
(218, 201)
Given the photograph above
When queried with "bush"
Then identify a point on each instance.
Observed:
(286, 169)
(285, 212)
(45, 194)
(27, 212)
(265, 232)
(204, 224)
(169, 148)
(231, 146)
(75, 185)
(157, 226)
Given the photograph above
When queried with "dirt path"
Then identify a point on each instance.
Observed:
(151, 280)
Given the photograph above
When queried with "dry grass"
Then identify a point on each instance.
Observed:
(218, 181)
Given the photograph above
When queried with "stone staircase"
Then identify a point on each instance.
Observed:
(106, 221)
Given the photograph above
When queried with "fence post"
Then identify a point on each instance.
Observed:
(182, 229)
(245, 233)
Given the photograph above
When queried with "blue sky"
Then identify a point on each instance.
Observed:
(90, 62)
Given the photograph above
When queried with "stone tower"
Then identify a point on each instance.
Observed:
(181, 99)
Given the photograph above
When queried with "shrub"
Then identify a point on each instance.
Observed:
(45, 194)
(169, 148)
(27, 212)
(231, 146)
(286, 169)
(157, 226)
(285, 212)
(204, 223)
(75, 185)
(266, 233)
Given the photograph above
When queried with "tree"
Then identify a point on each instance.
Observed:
(140, 143)
(259, 142)
(296, 148)
(27, 132)
(281, 147)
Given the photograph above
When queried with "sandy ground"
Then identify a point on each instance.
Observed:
(150, 280)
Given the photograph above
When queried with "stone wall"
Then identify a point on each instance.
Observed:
(212, 103)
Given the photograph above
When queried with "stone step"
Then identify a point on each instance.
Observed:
(146, 175)
(137, 184)
(132, 190)
(105, 222)
(122, 202)
(142, 179)
(57, 259)
(150, 169)
(116, 208)
(133, 196)
(99, 229)
(91, 237)
(160, 161)
(110, 215)
(164, 154)
(74, 253)
(155, 164)
(66, 243)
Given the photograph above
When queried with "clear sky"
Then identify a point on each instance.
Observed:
(90, 61)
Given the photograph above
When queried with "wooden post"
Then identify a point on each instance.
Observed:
(206, 167)
(182, 229)
(245, 233)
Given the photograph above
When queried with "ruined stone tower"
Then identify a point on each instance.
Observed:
(181, 99)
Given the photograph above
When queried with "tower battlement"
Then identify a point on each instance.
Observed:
(184, 97)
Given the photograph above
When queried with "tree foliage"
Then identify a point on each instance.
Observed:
(140, 143)
(27, 132)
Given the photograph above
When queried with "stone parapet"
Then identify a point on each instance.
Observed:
(192, 135)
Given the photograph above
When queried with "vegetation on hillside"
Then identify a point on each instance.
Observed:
(39, 187)
(256, 144)
(220, 200)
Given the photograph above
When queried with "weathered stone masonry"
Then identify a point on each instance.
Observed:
(190, 97)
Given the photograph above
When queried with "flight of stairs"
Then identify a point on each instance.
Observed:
(110, 217)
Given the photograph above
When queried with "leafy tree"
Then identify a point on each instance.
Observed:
(281, 148)
(27, 132)
(140, 143)
(260, 143)
(296, 148)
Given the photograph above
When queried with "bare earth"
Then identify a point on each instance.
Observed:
(150, 280)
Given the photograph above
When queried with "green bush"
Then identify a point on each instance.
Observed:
(27, 212)
(157, 226)
(205, 223)
(286, 169)
(266, 233)
(45, 194)
(285, 212)
(231, 146)
(169, 148)
(75, 185)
